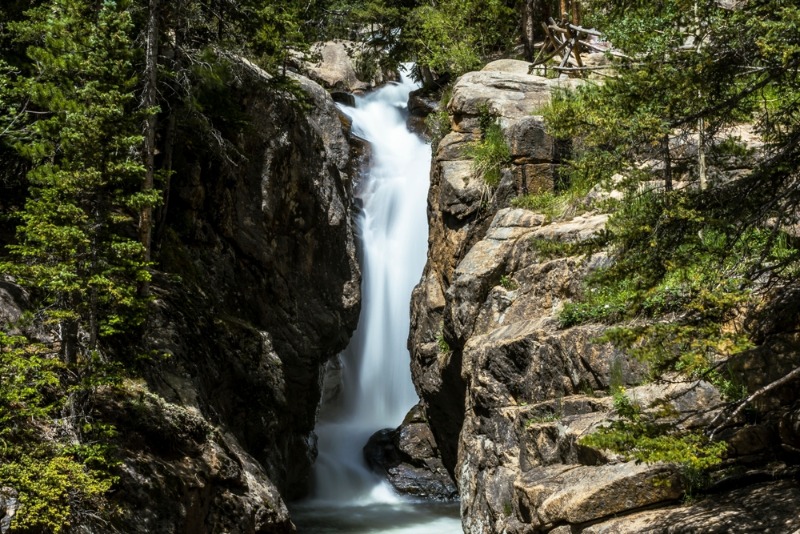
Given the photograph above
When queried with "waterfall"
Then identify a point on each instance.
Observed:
(376, 389)
(374, 377)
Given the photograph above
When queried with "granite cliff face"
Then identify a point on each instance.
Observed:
(508, 391)
(460, 210)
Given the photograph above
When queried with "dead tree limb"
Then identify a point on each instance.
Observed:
(746, 402)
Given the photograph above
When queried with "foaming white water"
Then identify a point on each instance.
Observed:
(377, 390)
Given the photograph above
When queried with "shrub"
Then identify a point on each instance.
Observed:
(490, 154)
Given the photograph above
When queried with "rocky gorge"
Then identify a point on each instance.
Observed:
(259, 288)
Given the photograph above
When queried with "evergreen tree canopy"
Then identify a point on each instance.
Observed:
(71, 111)
(706, 236)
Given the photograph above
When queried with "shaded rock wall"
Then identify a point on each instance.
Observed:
(258, 288)
(271, 290)
(270, 285)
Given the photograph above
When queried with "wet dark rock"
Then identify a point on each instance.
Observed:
(422, 103)
(409, 458)
(342, 97)
(380, 452)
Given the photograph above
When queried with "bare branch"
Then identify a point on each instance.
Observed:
(758, 393)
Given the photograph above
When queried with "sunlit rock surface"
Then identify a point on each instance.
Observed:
(510, 392)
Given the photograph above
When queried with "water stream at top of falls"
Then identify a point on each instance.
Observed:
(375, 388)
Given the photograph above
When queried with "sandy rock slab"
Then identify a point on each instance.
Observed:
(768, 507)
(577, 494)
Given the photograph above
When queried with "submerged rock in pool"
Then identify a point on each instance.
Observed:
(409, 458)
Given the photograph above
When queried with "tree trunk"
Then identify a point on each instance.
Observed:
(532, 14)
(702, 171)
(667, 163)
(169, 150)
(576, 12)
(149, 100)
(169, 138)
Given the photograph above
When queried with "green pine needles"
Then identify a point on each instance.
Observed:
(698, 250)
(650, 436)
(75, 117)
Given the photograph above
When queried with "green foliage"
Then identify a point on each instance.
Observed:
(690, 263)
(30, 385)
(507, 508)
(599, 304)
(454, 36)
(444, 346)
(508, 283)
(56, 480)
(674, 263)
(548, 203)
(650, 436)
(491, 153)
(548, 249)
(557, 204)
(55, 488)
(438, 122)
(70, 109)
(441, 342)
(86, 176)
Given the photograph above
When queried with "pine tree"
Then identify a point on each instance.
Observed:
(695, 264)
(84, 142)
(74, 115)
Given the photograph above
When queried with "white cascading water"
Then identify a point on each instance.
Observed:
(376, 388)
(377, 391)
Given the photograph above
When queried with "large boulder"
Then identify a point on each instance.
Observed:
(409, 458)
(343, 66)
(579, 494)
(503, 89)
(178, 472)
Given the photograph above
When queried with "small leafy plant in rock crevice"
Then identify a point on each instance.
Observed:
(491, 153)
(507, 282)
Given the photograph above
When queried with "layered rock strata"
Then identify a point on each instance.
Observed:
(509, 391)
